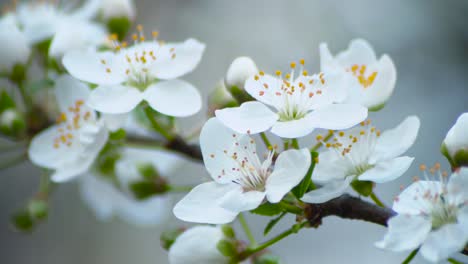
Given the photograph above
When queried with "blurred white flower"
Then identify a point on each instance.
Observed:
(70, 146)
(15, 47)
(239, 71)
(42, 19)
(117, 9)
(370, 81)
(456, 142)
(240, 180)
(198, 245)
(433, 215)
(145, 71)
(299, 105)
(362, 153)
(108, 198)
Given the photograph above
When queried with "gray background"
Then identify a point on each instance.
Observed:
(426, 39)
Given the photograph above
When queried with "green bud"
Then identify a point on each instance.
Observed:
(267, 258)
(118, 135)
(220, 98)
(6, 102)
(12, 123)
(228, 231)
(38, 209)
(227, 248)
(168, 237)
(240, 95)
(364, 188)
(148, 171)
(18, 74)
(145, 189)
(23, 221)
(119, 26)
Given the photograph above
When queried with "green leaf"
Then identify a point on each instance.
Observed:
(306, 183)
(227, 248)
(6, 102)
(272, 223)
(363, 187)
(268, 209)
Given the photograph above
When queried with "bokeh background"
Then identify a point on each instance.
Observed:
(428, 41)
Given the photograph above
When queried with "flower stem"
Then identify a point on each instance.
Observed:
(294, 229)
(410, 256)
(265, 140)
(376, 200)
(286, 145)
(318, 145)
(247, 230)
(295, 143)
(454, 261)
(13, 161)
(156, 126)
(291, 208)
(173, 188)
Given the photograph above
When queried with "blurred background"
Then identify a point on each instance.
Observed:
(428, 41)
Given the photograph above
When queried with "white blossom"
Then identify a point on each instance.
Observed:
(108, 198)
(117, 9)
(362, 153)
(432, 215)
(370, 80)
(147, 70)
(239, 71)
(70, 147)
(293, 107)
(241, 181)
(198, 245)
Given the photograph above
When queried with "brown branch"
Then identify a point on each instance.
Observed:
(349, 207)
(178, 144)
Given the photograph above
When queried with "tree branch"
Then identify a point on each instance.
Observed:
(178, 144)
(349, 207)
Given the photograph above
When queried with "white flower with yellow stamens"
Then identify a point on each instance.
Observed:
(299, 105)
(241, 181)
(432, 215)
(363, 154)
(370, 81)
(71, 146)
(147, 70)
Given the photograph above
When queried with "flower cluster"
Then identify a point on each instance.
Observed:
(112, 125)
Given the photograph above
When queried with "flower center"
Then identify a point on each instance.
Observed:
(293, 98)
(247, 170)
(443, 213)
(69, 123)
(359, 71)
(354, 147)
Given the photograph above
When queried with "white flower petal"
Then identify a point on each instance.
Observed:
(251, 117)
(239, 71)
(88, 10)
(68, 91)
(42, 152)
(405, 233)
(337, 116)
(388, 170)
(382, 88)
(173, 98)
(187, 56)
(327, 62)
(290, 168)
(394, 142)
(115, 99)
(215, 138)
(328, 191)
(238, 200)
(201, 205)
(15, 47)
(457, 138)
(114, 122)
(98, 195)
(359, 52)
(411, 200)
(149, 212)
(458, 187)
(73, 34)
(331, 167)
(264, 89)
(442, 243)
(292, 129)
(88, 66)
(117, 8)
(198, 245)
